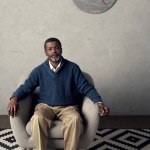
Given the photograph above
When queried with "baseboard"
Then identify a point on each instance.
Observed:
(4, 121)
(125, 122)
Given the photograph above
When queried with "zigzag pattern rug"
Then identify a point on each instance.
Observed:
(105, 139)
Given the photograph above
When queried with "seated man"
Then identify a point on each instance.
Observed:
(57, 78)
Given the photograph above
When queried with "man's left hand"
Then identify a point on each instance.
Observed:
(103, 109)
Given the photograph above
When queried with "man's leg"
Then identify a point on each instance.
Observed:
(40, 124)
(72, 126)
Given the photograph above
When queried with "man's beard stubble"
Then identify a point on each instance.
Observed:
(55, 58)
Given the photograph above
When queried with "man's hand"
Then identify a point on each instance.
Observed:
(13, 107)
(103, 109)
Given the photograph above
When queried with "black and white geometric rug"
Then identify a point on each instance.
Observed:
(105, 139)
(121, 139)
(7, 140)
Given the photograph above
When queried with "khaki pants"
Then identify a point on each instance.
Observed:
(42, 120)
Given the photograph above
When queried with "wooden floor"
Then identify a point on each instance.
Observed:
(4, 121)
(108, 122)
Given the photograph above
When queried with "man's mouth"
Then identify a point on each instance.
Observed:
(55, 57)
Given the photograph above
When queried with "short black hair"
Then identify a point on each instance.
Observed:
(52, 39)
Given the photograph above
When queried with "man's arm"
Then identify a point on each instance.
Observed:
(87, 89)
(28, 87)
(23, 91)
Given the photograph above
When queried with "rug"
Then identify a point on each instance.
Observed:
(105, 139)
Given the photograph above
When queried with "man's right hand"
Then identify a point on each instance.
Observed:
(13, 107)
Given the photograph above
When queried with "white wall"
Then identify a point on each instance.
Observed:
(113, 47)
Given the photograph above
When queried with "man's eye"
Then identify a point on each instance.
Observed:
(57, 47)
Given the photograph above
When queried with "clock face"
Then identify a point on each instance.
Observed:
(94, 6)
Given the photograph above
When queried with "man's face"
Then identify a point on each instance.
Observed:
(53, 51)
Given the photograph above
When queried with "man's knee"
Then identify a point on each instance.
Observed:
(75, 122)
(36, 119)
(44, 111)
(76, 117)
(39, 121)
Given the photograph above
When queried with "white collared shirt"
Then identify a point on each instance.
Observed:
(54, 69)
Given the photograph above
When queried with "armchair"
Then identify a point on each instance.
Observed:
(21, 123)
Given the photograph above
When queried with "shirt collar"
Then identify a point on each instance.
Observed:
(55, 69)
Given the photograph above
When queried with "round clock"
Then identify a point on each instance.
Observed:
(94, 6)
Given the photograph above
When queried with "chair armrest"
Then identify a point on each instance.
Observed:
(91, 118)
(26, 109)
(18, 123)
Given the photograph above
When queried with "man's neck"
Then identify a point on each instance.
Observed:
(55, 63)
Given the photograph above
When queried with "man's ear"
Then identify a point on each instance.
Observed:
(45, 52)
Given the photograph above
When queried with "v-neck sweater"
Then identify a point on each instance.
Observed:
(58, 88)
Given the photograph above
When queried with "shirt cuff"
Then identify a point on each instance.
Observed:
(98, 102)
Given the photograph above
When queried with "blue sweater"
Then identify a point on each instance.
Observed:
(57, 88)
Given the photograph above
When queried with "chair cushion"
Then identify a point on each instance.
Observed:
(54, 132)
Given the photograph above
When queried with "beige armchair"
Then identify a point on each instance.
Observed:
(21, 124)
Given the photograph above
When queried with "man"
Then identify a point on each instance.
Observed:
(58, 78)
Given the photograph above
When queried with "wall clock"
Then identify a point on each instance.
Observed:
(94, 6)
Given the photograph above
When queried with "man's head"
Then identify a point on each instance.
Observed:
(53, 49)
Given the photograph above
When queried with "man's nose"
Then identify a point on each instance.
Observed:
(54, 50)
